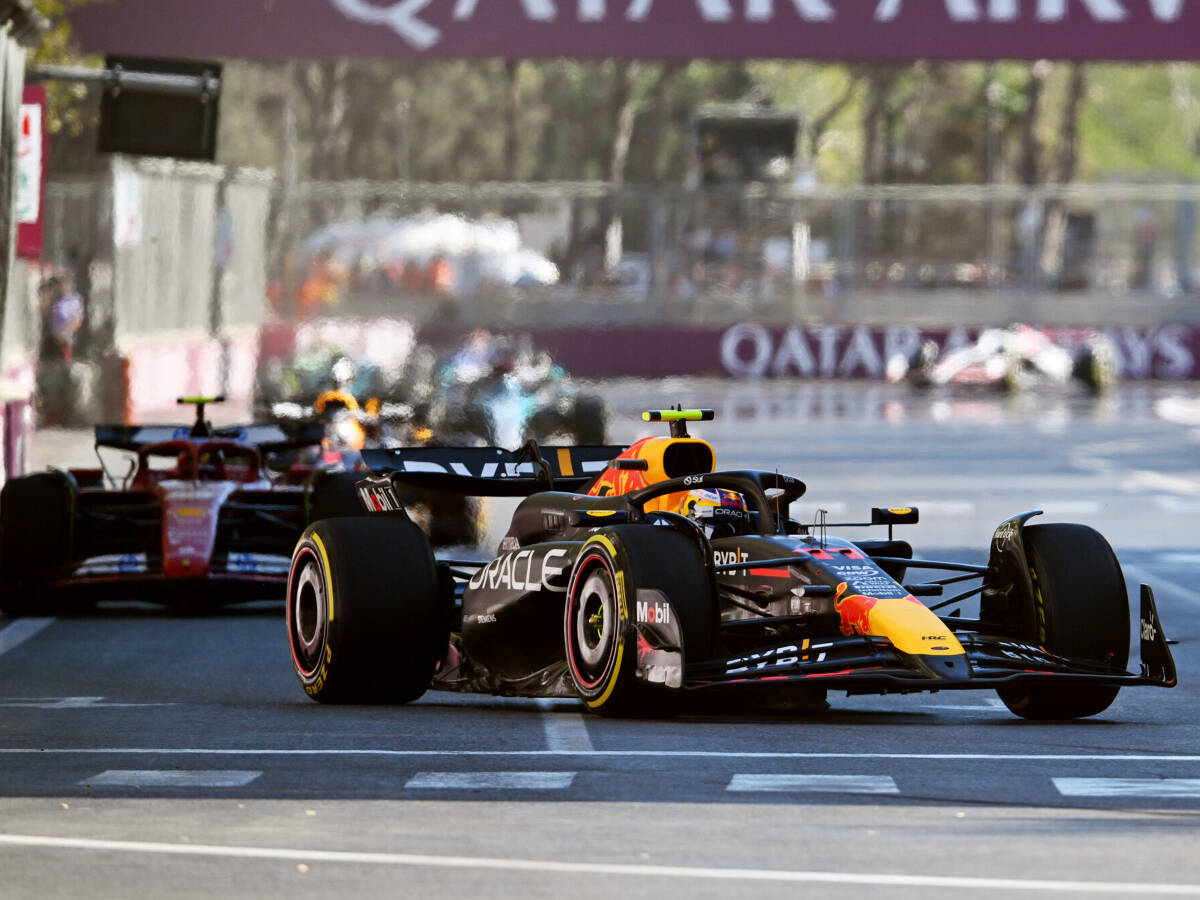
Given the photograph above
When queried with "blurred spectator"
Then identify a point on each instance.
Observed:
(275, 294)
(320, 290)
(440, 276)
(62, 316)
(412, 277)
(724, 246)
(1185, 240)
(1145, 239)
(683, 287)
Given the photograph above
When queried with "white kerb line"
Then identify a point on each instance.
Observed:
(446, 752)
(20, 631)
(1128, 787)
(184, 778)
(820, 784)
(566, 730)
(505, 781)
(1159, 585)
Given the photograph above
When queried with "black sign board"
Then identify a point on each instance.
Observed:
(138, 118)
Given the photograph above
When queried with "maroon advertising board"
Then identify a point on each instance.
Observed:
(748, 350)
(31, 172)
(878, 30)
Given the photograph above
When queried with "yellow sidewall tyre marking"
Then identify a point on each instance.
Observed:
(310, 653)
(616, 672)
(328, 571)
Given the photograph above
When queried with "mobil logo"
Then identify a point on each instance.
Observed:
(653, 612)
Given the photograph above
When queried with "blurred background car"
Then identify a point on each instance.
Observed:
(1011, 359)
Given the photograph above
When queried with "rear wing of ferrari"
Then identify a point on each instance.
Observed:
(274, 438)
(492, 471)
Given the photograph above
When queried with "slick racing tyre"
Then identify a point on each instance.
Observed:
(1079, 595)
(36, 518)
(1096, 366)
(365, 617)
(598, 631)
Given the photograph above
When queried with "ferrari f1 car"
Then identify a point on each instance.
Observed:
(633, 574)
(197, 509)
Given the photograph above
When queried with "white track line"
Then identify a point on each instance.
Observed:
(1128, 787)
(699, 873)
(506, 781)
(1159, 584)
(67, 703)
(821, 784)
(1140, 479)
(189, 778)
(1181, 558)
(614, 754)
(20, 631)
(1173, 505)
(988, 704)
(566, 728)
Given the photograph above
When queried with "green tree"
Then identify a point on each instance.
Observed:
(70, 108)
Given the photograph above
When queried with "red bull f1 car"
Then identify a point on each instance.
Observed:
(634, 575)
(198, 517)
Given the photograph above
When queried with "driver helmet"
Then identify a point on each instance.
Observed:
(346, 432)
(719, 513)
(343, 371)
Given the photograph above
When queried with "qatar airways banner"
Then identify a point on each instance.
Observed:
(819, 351)
(649, 29)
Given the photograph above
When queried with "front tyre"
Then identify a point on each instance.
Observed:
(599, 634)
(365, 617)
(37, 514)
(1080, 611)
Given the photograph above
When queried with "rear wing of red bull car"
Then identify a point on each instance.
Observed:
(490, 471)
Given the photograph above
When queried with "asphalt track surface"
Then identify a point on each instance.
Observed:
(145, 753)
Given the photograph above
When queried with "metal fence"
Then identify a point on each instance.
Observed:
(770, 253)
(159, 248)
(14, 336)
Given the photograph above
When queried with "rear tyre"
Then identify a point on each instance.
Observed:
(1096, 366)
(365, 615)
(36, 538)
(1080, 610)
(598, 626)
